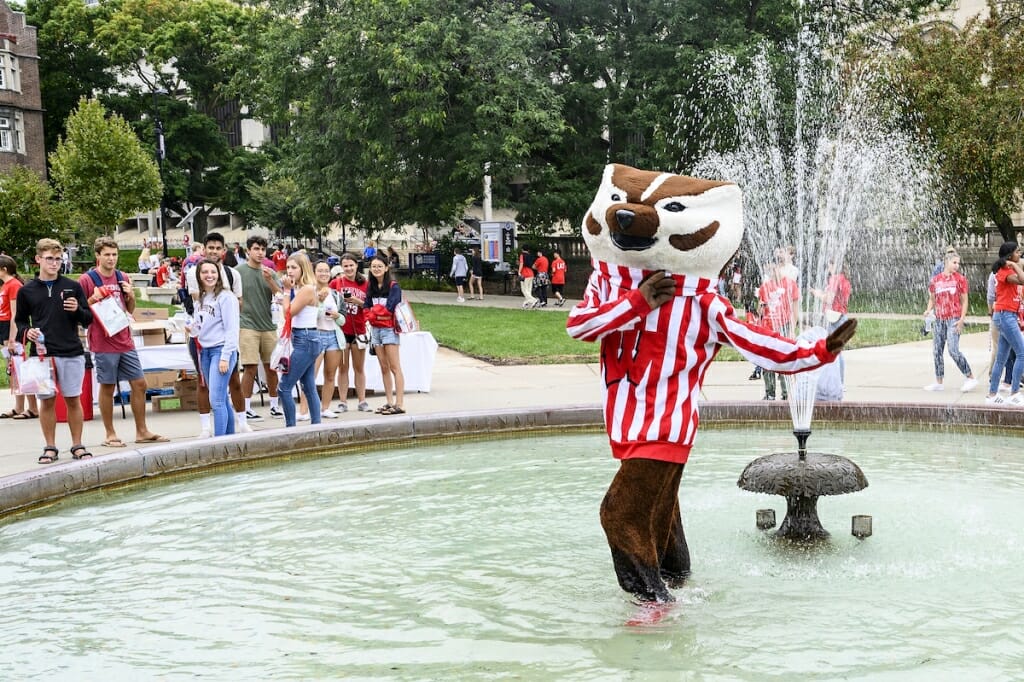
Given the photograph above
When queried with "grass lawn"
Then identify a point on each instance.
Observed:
(525, 337)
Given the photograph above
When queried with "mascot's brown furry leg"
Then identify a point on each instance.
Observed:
(640, 517)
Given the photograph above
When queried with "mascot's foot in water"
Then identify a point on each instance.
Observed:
(651, 613)
(643, 582)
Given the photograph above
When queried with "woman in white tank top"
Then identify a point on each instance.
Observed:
(300, 303)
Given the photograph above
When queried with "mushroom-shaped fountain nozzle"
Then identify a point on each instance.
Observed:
(784, 473)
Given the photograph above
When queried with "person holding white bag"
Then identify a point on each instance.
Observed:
(300, 302)
(50, 308)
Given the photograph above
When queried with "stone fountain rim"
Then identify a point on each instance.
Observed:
(27, 490)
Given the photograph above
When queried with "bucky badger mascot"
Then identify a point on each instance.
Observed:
(659, 243)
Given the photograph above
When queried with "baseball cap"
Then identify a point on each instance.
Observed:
(336, 270)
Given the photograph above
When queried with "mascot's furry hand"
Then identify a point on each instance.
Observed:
(658, 288)
(841, 336)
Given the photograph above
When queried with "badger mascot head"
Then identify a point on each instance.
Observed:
(661, 221)
(660, 242)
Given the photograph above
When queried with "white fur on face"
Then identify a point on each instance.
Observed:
(689, 216)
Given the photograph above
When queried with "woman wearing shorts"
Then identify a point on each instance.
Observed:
(351, 288)
(10, 282)
(383, 296)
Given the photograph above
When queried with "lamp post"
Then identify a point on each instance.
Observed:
(161, 152)
(337, 212)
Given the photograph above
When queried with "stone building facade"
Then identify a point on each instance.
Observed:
(21, 112)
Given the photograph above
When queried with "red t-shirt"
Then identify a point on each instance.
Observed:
(99, 342)
(948, 291)
(777, 297)
(558, 271)
(540, 264)
(355, 316)
(8, 293)
(280, 259)
(839, 287)
(162, 274)
(1007, 295)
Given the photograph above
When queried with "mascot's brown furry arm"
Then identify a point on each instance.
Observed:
(659, 242)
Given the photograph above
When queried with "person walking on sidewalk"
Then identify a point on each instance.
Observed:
(541, 279)
(558, 270)
(114, 356)
(526, 278)
(476, 274)
(50, 309)
(947, 297)
(460, 269)
(1006, 315)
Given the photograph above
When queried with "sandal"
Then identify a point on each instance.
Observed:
(27, 414)
(46, 457)
(80, 452)
(396, 410)
(8, 414)
(383, 409)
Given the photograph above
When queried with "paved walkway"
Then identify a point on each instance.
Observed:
(888, 374)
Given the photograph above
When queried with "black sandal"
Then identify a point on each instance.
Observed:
(27, 414)
(383, 409)
(80, 452)
(46, 457)
(8, 414)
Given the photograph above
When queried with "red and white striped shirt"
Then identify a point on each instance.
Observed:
(653, 361)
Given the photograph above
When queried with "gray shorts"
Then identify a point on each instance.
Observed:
(70, 373)
(114, 367)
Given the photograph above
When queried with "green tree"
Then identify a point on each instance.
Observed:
(965, 88)
(395, 107)
(27, 211)
(102, 171)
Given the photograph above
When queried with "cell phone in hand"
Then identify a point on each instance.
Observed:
(65, 294)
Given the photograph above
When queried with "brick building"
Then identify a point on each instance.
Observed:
(21, 113)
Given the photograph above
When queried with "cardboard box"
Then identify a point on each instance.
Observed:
(161, 379)
(167, 403)
(149, 314)
(153, 337)
(185, 389)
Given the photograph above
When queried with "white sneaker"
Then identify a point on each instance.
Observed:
(302, 418)
(204, 434)
(329, 414)
(969, 385)
(364, 406)
(460, 299)
(242, 427)
(1004, 388)
(935, 387)
(1017, 400)
(342, 407)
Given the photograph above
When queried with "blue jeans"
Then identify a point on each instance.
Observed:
(305, 349)
(223, 413)
(1010, 337)
(944, 333)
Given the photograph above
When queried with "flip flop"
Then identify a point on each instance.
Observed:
(8, 414)
(154, 439)
(114, 443)
(27, 414)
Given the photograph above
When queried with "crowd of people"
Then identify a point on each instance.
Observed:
(241, 316)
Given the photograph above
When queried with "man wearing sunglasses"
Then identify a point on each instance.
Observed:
(50, 309)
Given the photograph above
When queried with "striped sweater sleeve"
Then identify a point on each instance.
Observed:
(767, 349)
(595, 316)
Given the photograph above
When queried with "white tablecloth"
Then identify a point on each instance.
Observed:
(417, 351)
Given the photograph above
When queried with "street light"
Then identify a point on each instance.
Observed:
(337, 212)
(161, 152)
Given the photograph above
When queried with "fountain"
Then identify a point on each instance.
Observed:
(838, 176)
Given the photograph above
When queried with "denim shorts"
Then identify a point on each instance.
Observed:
(328, 341)
(383, 336)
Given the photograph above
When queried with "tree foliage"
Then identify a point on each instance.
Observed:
(965, 87)
(101, 170)
(27, 211)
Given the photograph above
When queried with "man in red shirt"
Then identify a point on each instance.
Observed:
(558, 277)
(280, 258)
(540, 270)
(778, 296)
(114, 355)
(947, 297)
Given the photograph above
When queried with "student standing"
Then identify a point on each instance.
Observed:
(216, 328)
(258, 335)
(476, 274)
(558, 270)
(10, 283)
(351, 287)
(328, 325)
(1005, 316)
(383, 296)
(300, 300)
(52, 307)
(114, 356)
(778, 313)
(459, 271)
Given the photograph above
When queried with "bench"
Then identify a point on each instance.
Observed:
(159, 295)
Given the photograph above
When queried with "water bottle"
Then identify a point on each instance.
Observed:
(276, 311)
(41, 343)
(928, 320)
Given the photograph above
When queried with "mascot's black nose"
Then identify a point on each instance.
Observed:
(624, 218)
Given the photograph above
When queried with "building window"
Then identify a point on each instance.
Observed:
(9, 76)
(11, 131)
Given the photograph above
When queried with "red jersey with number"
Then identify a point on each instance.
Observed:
(355, 315)
(653, 361)
(948, 290)
(280, 259)
(558, 271)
